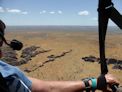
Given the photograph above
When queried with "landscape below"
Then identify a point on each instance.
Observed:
(63, 53)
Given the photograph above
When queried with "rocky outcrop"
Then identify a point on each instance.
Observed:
(51, 58)
(10, 56)
(117, 63)
(30, 52)
(90, 59)
(117, 66)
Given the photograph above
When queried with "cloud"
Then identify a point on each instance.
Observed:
(13, 10)
(2, 10)
(24, 13)
(52, 12)
(59, 12)
(43, 11)
(83, 13)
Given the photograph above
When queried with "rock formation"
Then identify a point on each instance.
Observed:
(51, 58)
(117, 63)
(10, 56)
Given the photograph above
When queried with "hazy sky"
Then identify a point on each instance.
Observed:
(51, 12)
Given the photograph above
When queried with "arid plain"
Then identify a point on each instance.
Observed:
(71, 66)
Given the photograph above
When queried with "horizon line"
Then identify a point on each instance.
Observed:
(57, 25)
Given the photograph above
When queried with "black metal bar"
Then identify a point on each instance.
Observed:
(103, 20)
(103, 17)
(106, 11)
(116, 17)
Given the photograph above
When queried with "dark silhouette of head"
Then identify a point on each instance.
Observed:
(14, 44)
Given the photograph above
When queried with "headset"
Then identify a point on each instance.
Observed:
(14, 44)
